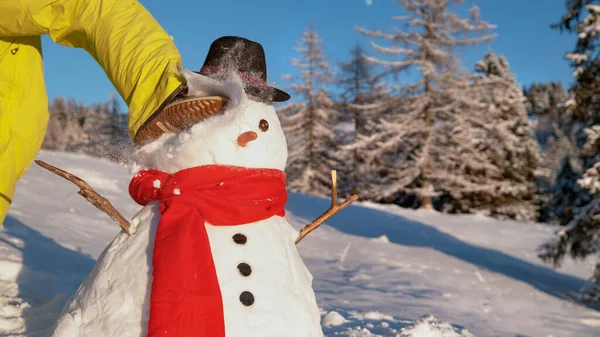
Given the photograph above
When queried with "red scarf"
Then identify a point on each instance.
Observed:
(186, 299)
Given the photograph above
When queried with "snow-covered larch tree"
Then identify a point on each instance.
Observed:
(425, 47)
(308, 122)
(363, 101)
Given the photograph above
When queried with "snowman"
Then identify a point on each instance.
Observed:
(212, 254)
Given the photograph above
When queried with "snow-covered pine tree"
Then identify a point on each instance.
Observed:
(544, 107)
(55, 138)
(556, 132)
(107, 132)
(558, 147)
(96, 122)
(498, 153)
(363, 101)
(402, 150)
(65, 125)
(581, 237)
(565, 196)
(544, 98)
(309, 122)
(99, 130)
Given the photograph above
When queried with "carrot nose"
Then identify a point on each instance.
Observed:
(246, 138)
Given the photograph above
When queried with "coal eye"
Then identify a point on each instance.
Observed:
(263, 125)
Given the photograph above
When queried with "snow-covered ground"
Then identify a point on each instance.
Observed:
(378, 270)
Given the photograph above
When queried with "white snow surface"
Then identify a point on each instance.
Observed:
(432, 275)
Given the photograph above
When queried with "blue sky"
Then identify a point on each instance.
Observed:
(534, 51)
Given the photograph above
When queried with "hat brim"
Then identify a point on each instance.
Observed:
(179, 116)
(182, 114)
(264, 92)
(280, 96)
(267, 93)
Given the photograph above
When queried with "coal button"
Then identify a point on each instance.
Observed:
(247, 298)
(244, 269)
(240, 239)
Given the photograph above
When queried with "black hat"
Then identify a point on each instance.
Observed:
(247, 59)
(178, 112)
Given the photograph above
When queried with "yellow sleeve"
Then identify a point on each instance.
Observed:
(138, 56)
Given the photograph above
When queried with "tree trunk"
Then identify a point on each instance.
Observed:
(356, 156)
(426, 199)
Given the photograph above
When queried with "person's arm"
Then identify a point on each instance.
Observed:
(136, 53)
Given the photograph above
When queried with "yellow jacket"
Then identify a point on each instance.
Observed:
(137, 55)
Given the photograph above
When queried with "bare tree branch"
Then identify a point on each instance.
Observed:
(333, 210)
(90, 195)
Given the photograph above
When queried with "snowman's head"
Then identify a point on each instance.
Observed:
(246, 133)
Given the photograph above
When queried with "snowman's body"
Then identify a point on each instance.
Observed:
(284, 302)
(258, 259)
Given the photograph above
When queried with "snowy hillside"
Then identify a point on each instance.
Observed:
(378, 270)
